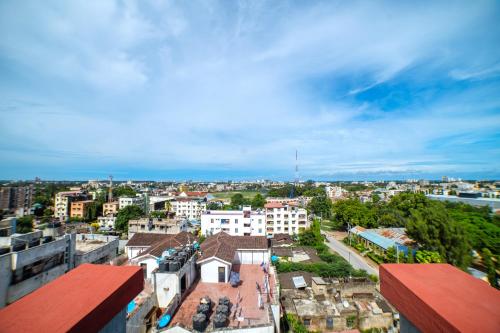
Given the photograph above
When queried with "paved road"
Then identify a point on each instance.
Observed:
(355, 259)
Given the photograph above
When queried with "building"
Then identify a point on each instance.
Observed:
(285, 218)
(110, 208)
(440, 298)
(149, 257)
(221, 251)
(168, 225)
(335, 192)
(253, 302)
(131, 201)
(90, 298)
(107, 222)
(18, 199)
(28, 261)
(493, 203)
(381, 239)
(82, 209)
(334, 305)
(95, 249)
(189, 208)
(245, 222)
(63, 200)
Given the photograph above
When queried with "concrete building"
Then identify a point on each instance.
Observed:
(82, 209)
(334, 305)
(18, 199)
(95, 249)
(189, 208)
(169, 225)
(110, 208)
(90, 298)
(32, 260)
(129, 201)
(285, 218)
(107, 221)
(245, 222)
(440, 298)
(63, 200)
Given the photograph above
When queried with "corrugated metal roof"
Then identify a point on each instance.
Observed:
(381, 241)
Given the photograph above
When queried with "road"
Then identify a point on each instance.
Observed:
(350, 255)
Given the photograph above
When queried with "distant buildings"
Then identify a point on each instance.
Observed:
(493, 203)
(110, 208)
(129, 201)
(190, 208)
(81, 209)
(18, 199)
(63, 200)
(285, 218)
(90, 298)
(245, 222)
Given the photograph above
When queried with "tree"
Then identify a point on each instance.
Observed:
(320, 206)
(258, 201)
(168, 206)
(123, 191)
(24, 224)
(158, 214)
(125, 214)
(237, 200)
(427, 257)
(213, 205)
(490, 268)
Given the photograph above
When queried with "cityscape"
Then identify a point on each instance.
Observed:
(250, 166)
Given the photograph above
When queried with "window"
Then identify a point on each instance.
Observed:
(329, 323)
(260, 230)
(307, 322)
(260, 221)
(235, 221)
(144, 267)
(235, 230)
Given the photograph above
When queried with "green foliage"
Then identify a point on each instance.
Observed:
(320, 206)
(354, 212)
(294, 324)
(258, 201)
(238, 200)
(340, 268)
(158, 214)
(123, 191)
(427, 257)
(24, 224)
(124, 215)
(214, 206)
(490, 268)
(311, 236)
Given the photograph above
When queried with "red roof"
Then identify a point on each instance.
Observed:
(273, 205)
(84, 300)
(441, 298)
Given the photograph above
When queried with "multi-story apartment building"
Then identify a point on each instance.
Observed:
(110, 208)
(170, 225)
(285, 218)
(246, 222)
(81, 209)
(63, 200)
(129, 201)
(18, 198)
(188, 207)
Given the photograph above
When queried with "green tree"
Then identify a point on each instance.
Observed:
(125, 214)
(123, 191)
(157, 214)
(490, 268)
(24, 224)
(427, 257)
(320, 206)
(213, 205)
(258, 201)
(238, 200)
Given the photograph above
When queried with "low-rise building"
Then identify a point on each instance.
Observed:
(63, 200)
(82, 209)
(381, 239)
(167, 225)
(285, 218)
(110, 208)
(95, 249)
(131, 201)
(107, 222)
(245, 222)
(90, 298)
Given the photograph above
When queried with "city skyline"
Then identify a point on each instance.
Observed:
(218, 90)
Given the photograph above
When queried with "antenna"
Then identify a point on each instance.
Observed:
(110, 193)
(296, 180)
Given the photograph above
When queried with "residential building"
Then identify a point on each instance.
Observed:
(63, 200)
(82, 209)
(18, 199)
(90, 298)
(129, 201)
(167, 225)
(110, 208)
(381, 239)
(107, 222)
(440, 298)
(253, 306)
(95, 249)
(285, 218)
(335, 192)
(330, 304)
(245, 222)
(190, 208)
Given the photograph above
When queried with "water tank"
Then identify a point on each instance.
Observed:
(34, 242)
(174, 266)
(47, 239)
(203, 308)
(4, 250)
(206, 300)
(222, 309)
(199, 322)
(224, 301)
(162, 266)
(220, 320)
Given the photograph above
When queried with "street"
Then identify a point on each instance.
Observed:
(350, 255)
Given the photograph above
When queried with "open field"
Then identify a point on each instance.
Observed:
(228, 195)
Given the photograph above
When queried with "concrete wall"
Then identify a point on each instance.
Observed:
(5, 277)
(107, 251)
(255, 257)
(29, 256)
(116, 325)
(210, 270)
(133, 251)
(168, 285)
(136, 320)
(151, 263)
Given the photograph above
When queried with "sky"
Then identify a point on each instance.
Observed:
(217, 90)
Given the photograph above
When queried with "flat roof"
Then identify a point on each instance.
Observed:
(85, 299)
(441, 298)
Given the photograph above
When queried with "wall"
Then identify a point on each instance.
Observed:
(117, 324)
(107, 251)
(5, 277)
(255, 257)
(136, 320)
(133, 251)
(210, 272)
(168, 285)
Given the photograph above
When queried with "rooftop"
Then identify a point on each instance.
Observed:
(248, 305)
(84, 246)
(84, 299)
(223, 246)
(440, 297)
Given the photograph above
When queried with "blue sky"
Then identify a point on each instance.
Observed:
(229, 89)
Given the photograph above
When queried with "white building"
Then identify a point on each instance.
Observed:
(189, 208)
(107, 221)
(63, 200)
(285, 218)
(244, 222)
(129, 201)
(334, 192)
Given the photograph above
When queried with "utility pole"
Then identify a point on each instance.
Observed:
(349, 233)
(110, 193)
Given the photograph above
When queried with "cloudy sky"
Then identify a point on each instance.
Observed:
(229, 89)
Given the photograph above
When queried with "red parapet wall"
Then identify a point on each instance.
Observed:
(441, 298)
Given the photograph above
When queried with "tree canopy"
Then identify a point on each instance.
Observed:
(125, 214)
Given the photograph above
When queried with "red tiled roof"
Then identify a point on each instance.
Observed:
(83, 300)
(145, 239)
(223, 246)
(441, 298)
(273, 205)
(167, 242)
